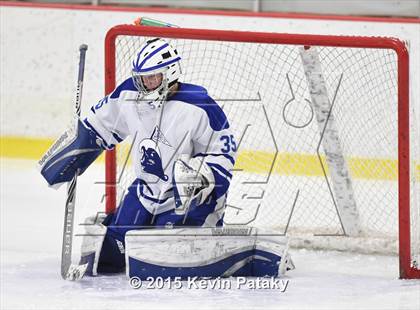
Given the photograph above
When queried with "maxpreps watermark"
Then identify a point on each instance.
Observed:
(197, 283)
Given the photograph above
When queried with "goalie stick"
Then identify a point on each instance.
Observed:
(71, 271)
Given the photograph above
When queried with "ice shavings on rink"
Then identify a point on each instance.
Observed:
(31, 232)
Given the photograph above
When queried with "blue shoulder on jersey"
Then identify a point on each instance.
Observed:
(126, 85)
(198, 96)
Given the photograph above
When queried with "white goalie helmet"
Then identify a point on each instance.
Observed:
(155, 69)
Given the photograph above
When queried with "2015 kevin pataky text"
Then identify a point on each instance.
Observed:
(196, 283)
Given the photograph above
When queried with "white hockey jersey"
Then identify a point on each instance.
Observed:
(190, 122)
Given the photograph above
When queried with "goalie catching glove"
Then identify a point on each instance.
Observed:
(74, 151)
(193, 183)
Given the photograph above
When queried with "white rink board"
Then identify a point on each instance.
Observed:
(39, 61)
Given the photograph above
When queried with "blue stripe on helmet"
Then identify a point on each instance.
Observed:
(159, 66)
(138, 68)
(136, 63)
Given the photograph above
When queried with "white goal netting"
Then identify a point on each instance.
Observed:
(282, 178)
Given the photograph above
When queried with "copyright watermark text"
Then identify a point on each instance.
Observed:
(197, 283)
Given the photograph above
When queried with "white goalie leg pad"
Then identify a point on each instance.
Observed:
(205, 252)
(93, 237)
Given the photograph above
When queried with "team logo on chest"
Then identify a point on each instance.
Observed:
(150, 155)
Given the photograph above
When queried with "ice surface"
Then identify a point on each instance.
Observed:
(31, 232)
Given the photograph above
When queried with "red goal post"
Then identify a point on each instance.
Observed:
(407, 270)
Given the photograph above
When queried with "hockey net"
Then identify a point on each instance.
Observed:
(324, 153)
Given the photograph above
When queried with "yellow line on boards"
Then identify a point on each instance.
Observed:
(25, 148)
(248, 161)
(310, 165)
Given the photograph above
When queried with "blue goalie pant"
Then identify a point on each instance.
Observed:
(132, 215)
(205, 250)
